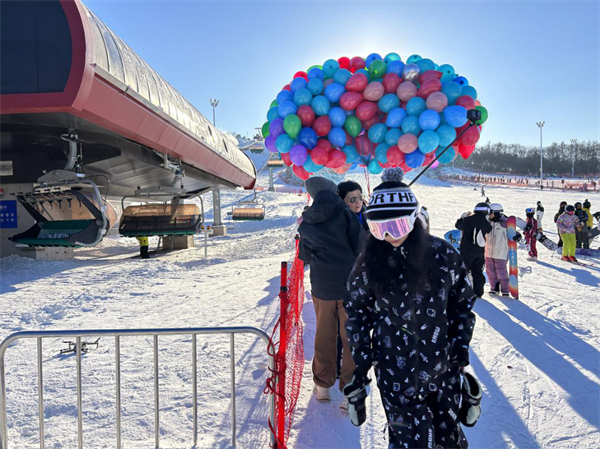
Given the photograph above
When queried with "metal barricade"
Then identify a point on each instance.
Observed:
(117, 334)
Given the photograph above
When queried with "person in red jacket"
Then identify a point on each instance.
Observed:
(531, 231)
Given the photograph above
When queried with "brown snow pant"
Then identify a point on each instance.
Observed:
(331, 316)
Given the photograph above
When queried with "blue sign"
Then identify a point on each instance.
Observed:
(8, 214)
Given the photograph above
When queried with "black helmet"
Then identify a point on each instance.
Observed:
(577, 204)
(570, 208)
(563, 204)
(482, 207)
(587, 204)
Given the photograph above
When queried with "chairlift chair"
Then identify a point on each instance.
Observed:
(251, 209)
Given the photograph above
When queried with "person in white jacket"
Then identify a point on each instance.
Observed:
(496, 251)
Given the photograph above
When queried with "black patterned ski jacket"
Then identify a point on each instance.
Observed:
(412, 338)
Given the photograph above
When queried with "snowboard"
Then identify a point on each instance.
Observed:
(585, 252)
(453, 237)
(513, 271)
(541, 237)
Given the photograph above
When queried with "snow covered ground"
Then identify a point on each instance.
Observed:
(538, 358)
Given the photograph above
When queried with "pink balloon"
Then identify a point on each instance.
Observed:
(435, 165)
(406, 91)
(374, 91)
(408, 143)
(437, 101)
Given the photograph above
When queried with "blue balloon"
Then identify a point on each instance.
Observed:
(377, 132)
(351, 154)
(320, 105)
(428, 141)
(415, 159)
(452, 90)
(396, 67)
(286, 108)
(284, 95)
(416, 106)
(443, 120)
(284, 143)
(392, 136)
(374, 167)
(330, 67)
(315, 72)
(412, 59)
(364, 72)
(297, 83)
(429, 120)
(337, 137)
(456, 116)
(315, 86)
(395, 117)
(447, 157)
(308, 137)
(470, 91)
(310, 165)
(390, 57)
(425, 64)
(342, 76)
(447, 134)
(372, 57)
(381, 152)
(461, 81)
(388, 102)
(447, 73)
(334, 91)
(272, 114)
(410, 125)
(337, 117)
(302, 97)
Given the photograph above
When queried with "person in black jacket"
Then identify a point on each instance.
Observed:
(352, 194)
(329, 242)
(409, 317)
(474, 228)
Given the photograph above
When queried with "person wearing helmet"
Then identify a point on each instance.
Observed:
(586, 207)
(531, 231)
(539, 214)
(410, 318)
(561, 210)
(475, 227)
(567, 226)
(496, 251)
(581, 233)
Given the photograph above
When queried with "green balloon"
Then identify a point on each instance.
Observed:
(273, 104)
(353, 126)
(292, 125)
(314, 67)
(265, 129)
(377, 69)
(484, 115)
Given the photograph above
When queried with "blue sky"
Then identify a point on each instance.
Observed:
(529, 61)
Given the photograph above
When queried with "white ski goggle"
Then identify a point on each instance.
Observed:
(396, 228)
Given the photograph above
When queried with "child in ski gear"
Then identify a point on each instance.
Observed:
(539, 214)
(561, 209)
(144, 245)
(329, 242)
(581, 233)
(586, 207)
(352, 194)
(531, 231)
(409, 317)
(474, 229)
(567, 225)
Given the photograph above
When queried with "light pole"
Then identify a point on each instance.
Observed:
(218, 228)
(214, 103)
(541, 125)
(573, 144)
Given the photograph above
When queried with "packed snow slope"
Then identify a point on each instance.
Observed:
(538, 358)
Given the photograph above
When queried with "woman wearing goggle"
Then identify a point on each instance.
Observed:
(409, 318)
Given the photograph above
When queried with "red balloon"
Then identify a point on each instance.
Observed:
(349, 139)
(357, 63)
(429, 157)
(357, 82)
(322, 126)
(387, 165)
(285, 157)
(367, 124)
(319, 155)
(364, 146)
(337, 158)
(343, 169)
(394, 156)
(344, 62)
(470, 137)
(430, 74)
(324, 143)
(466, 102)
(350, 100)
(306, 115)
(300, 172)
(301, 74)
(405, 167)
(428, 87)
(391, 81)
(286, 87)
(465, 150)
(366, 110)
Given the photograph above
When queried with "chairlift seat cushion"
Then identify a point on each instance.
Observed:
(248, 213)
(160, 220)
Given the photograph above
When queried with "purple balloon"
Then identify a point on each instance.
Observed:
(298, 155)
(276, 128)
(270, 143)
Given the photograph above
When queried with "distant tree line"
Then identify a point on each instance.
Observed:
(525, 160)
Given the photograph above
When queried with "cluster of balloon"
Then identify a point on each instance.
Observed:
(377, 112)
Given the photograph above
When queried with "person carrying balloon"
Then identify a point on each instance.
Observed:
(410, 318)
(329, 242)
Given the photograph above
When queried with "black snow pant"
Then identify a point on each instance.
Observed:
(475, 264)
(428, 420)
(582, 237)
(144, 252)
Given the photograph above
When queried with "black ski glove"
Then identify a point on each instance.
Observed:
(356, 393)
(518, 237)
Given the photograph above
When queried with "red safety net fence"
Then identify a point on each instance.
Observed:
(286, 379)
